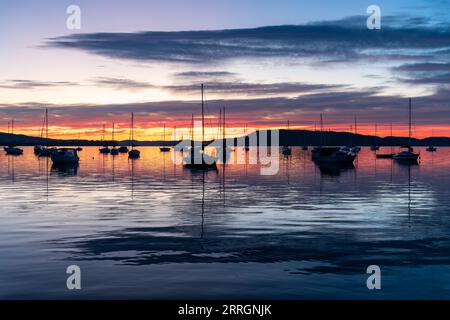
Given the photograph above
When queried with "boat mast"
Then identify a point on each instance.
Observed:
(132, 130)
(164, 134)
(391, 138)
(192, 129)
(321, 130)
(112, 133)
(46, 124)
(220, 124)
(409, 122)
(223, 126)
(203, 122)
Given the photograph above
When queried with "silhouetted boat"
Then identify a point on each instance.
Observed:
(197, 157)
(44, 151)
(105, 149)
(65, 156)
(164, 148)
(133, 153)
(409, 154)
(38, 148)
(315, 152)
(12, 149)
(333, 155)
(374, 147)
(123, 149)
(386, 155)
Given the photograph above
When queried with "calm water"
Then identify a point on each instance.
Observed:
(149, 229)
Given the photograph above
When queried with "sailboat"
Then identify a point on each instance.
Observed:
(374, 147)
(386, 155)
(12, 149)
(408, 155)
(316, 150)
(114, 151)
(431, 148)
(105, 148)
(164, 148)
(37, 148)
(46, 151)
(197, 158)
(354, 148)
(133, 153)
(287, 151)
(335, 155)
(123, 149)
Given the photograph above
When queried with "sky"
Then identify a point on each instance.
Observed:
(267, 62)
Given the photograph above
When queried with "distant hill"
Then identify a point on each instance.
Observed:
(287, 137)
(332, 138)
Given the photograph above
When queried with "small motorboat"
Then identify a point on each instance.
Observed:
(105, 150)
(123, 149)
(14, 151)
(431, 149)
(374, 148)
(333, 155)
(64, 156)
(79, 149)
(198, 159)
(164, 149)
(407, 155)
(114, 151)
(134, 153)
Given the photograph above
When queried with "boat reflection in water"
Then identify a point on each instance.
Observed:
(335, 169)
(67, 169)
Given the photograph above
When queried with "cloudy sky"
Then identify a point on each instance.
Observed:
(267, 62)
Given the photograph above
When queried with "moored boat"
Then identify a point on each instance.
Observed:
(14, 151)
(197, 158)
(133, 153)
(333, 155)
(408, 155)
(64, 156)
